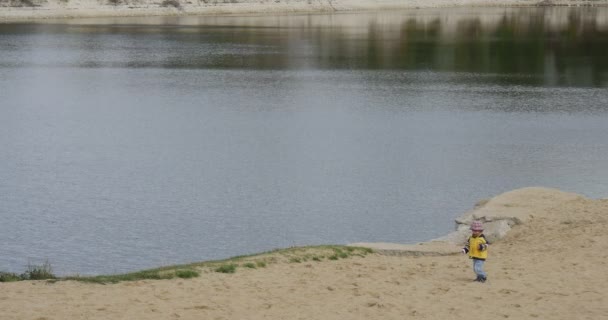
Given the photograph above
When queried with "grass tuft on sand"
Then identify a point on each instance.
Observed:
(231, 265)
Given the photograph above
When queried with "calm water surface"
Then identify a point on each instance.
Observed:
(133, 143)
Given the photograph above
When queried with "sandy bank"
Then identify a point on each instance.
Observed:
(11, 10)
(551, 265)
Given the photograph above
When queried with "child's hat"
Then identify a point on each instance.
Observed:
(476, 226)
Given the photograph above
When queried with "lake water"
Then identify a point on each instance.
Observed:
(134, 143)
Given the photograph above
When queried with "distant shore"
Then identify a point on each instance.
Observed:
(20, 10)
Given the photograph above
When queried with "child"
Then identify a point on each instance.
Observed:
(477, 248)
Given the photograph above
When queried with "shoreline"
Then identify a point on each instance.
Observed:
(500, 215)
(35, 10)
(551, 265)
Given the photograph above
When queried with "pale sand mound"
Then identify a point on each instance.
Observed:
(498, 214)
(552, 266)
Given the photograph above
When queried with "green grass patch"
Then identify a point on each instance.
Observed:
(226, 268)
(186, 274)
(260, 260)
(38, 272)
(341, 254)
(9, 277)
(33, 272)
(155, 274)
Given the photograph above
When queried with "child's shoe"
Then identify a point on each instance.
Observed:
(482, 279)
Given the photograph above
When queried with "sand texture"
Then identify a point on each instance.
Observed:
(550, 266)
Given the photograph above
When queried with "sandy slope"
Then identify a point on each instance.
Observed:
(551, 267)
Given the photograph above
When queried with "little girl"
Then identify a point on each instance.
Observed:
(477, 248)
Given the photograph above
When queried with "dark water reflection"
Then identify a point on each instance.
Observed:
(551, 46)
(133, 143)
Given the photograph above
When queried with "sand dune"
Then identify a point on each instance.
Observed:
(551, 266)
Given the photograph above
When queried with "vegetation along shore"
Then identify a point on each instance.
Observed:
(548, 261)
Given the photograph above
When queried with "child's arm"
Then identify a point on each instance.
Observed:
(484, 246)
(466, 247)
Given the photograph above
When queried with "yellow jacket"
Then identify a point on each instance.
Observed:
(477, 247)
